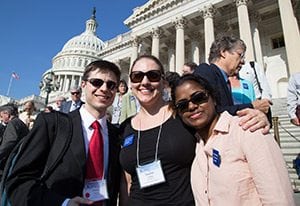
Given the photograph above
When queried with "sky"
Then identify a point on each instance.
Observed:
(32, 32)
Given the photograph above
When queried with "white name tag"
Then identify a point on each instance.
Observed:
(95, 190)
(150, 174)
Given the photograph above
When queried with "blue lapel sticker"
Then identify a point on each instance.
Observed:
(245, 86)
(128, 140)
(216, 158)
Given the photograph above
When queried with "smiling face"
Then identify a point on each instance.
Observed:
(98, 99)
(146, 91)
(198, 115)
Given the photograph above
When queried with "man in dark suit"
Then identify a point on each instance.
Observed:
(227, 55)
(75, 101)
(15, 130)
(68, 184)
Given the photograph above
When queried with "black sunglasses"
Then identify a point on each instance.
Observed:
(152, 75)
(111, 85)
(73, 93)
(196, 98)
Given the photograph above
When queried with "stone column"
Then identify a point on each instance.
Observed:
(135, 46)
(255, 19)
(195, 50)
(171, 56)
(244, 27)
(155, 33)
(179, 23)
(290, 29)
(208, 13)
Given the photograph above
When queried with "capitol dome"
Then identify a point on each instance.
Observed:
(68, 65)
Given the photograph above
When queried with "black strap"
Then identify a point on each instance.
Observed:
(60, 143)
(257, 80)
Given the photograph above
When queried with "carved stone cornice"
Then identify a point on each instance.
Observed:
(156, 32)
(150, 9)
(241, 2)
(208, 11)
(135, 41)
(179, 22)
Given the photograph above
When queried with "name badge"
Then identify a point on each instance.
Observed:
(95, 190)
(150, 174)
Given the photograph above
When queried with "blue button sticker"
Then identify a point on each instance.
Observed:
(128, 140)
(216, 158)
(245, 86)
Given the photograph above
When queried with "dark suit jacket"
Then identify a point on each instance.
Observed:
(214, 76)
(67, 180)
(2, 129)
(16, 129)
(66, 106)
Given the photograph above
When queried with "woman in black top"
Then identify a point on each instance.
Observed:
(157, 149)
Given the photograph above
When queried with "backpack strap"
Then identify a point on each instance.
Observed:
(60, 143)
(256, 77)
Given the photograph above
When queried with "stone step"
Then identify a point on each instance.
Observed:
(289, 136)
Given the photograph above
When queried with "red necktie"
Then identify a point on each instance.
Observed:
(95, 160)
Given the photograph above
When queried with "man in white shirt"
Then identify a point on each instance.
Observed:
(293, 98)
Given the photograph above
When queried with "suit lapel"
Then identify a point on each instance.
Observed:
(77, 145)
(223, 84)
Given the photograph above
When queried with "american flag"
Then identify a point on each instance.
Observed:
(15, 75)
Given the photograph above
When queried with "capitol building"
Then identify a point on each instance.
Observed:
(179, 31)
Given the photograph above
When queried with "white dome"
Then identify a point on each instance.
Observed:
(85, 41)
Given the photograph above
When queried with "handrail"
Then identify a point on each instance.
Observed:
(298, 140)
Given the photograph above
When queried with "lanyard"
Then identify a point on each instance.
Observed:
(138, 143)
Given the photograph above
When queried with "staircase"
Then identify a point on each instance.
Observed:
(289, 136)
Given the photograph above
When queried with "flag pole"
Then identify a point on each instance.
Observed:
(9, 85)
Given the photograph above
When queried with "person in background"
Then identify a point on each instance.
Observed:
(89, 173)
(253, 72)
(16, 129)
(59, 101)
(293, 99)
(227, 54)
(7, 112)
(29, 114)
(188, 68)
(296, 165)
(171, 78)
(49, 109)
(232, 166)
(242, 90)
(118, 103)
(74, 103)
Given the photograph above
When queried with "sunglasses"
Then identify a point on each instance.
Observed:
(196, 98)
(152, 75)
(111, 85)
(75, 93)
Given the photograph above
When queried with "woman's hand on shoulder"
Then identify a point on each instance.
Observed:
(253, 120)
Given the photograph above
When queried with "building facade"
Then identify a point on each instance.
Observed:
(179, 31)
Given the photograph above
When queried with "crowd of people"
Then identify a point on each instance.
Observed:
(200, 138)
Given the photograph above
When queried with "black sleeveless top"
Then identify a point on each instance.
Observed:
(176, 151)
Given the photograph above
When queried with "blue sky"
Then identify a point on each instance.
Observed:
(32, 32)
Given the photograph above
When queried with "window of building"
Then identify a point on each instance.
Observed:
(278, 42)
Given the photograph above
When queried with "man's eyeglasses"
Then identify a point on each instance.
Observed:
(111, 85)
(75, 93)
(152, 75)
(242, 55)
(196, 98)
